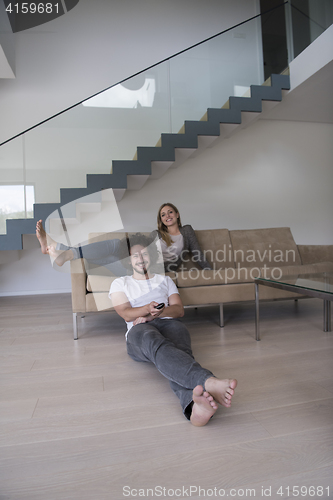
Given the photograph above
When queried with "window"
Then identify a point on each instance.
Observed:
(16, 202)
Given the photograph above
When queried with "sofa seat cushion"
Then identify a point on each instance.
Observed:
(234, 292)
(98, 283)
(207, 277)
(98, 302)
(274, 247)
(276, 272)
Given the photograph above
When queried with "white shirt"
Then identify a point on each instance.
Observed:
(142, 292)
(172, 252)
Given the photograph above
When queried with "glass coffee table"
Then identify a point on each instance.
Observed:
(318, 285)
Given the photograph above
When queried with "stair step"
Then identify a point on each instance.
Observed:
(71, 231)
(43, 210)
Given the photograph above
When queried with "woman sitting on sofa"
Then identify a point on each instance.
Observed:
(176, 242)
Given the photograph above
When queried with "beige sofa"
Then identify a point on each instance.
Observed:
(237, 258)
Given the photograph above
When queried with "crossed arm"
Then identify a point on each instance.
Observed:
(147, 312)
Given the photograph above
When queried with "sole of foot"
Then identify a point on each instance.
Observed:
(222, 390)
(204, 407)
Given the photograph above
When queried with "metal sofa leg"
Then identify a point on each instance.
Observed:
(327, 316)
(221, 316)
(75, 326)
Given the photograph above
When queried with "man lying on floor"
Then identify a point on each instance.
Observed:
(151, 306)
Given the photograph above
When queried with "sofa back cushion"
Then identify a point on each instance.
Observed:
(274, 247)
(93, 237)
(216, 246)
(99, 277)
(311, 254)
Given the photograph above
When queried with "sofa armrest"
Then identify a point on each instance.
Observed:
(311, 254)
(79, 280)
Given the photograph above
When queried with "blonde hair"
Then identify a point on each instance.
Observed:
(162, 227)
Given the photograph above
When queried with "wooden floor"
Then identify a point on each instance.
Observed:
(80, 420)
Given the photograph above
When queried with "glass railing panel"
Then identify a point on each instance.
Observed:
(274, 41)
(309, 20)
(321, 16)
(16, 198)
(85, 139)
(207, 75)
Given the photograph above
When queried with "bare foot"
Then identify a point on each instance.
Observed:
(59, 256)
(203, 408)
(42, 237)
(48, 246)
(221, 390)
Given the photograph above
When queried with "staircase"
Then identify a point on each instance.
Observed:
(152, 162)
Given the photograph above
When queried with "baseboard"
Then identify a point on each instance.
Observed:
(34, 292)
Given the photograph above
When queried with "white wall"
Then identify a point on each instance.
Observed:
(272, 174)
(32, 273)
(99, 43)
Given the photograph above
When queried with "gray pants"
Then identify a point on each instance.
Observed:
(167, 344)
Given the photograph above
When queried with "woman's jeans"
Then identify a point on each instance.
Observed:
(101, 253)
(167, 344)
